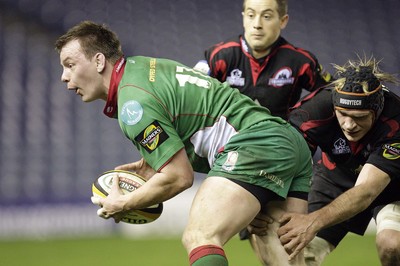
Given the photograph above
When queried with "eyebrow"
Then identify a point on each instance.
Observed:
(65, 60)
(342, 112)
(262, 11)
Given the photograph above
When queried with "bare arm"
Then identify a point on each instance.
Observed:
(298, 230)
(174, 178)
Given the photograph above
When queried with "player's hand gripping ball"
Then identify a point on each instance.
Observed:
(128, 182)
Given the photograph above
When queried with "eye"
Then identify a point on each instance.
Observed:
(250, 14)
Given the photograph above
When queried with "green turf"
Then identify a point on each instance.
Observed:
(113, 251)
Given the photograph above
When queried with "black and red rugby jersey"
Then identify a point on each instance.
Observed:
(314, 117)
(276, 82)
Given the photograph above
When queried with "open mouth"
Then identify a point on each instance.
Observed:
(76, 89)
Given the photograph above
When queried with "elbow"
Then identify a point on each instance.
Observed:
(368, 199)
(187, 181)
(182, 182)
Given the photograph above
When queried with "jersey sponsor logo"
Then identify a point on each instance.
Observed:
(350, 102)
(231, 160)
(281, 78)
(340, 147)
(273, 178)
(236, 78)
(152, 137)
(131, 113)
(391, 151)
(152, 70)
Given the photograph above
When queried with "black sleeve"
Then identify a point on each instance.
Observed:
(312, 116)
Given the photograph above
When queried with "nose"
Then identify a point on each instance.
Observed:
(349, 124)
(64, 77)
(257, 22)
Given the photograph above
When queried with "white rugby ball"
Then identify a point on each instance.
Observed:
(128, 182)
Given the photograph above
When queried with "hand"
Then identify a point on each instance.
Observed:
(295, 232)
(112, 205)
(260, 223)
(140, 167)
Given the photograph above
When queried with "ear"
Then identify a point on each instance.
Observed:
(100, 61)
(284, 21)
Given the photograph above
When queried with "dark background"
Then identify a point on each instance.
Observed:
(52, 145)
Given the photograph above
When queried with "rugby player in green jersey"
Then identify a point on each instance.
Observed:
(183, 121)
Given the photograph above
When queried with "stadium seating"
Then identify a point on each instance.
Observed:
(53, 145)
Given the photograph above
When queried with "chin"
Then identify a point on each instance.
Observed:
(353, 138)
(86, 99)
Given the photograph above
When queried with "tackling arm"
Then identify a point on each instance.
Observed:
(298, 230)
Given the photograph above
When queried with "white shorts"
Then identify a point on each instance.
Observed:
(389, 217)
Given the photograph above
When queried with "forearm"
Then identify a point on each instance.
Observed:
(157, 189)
(343, 207)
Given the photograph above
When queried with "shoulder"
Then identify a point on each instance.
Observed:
(391, 108)
(314, 106)
(224, 47)
(392, 100)
(283, 46)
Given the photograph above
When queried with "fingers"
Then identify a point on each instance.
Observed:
(260, 231)
(285, 218)
(102, 213)
(284, 227)
(130, 166)
(258, 227)
(96, 201)
(294, 250)
(126, 167)
(115, 185)
(265, 218)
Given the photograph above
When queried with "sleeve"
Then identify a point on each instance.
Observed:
(312, 117)
(322, 77)
(216, 61)
(314, 75)
(386, 156)
(146, 123)
(298, 118)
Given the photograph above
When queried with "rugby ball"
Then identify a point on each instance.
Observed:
(128, 182)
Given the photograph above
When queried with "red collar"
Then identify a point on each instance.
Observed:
(110, 109)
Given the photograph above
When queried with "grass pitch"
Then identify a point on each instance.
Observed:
(353, 251)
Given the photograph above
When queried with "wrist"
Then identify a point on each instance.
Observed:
(317, 222)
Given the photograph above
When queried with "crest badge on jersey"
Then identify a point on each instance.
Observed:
(341, 147)
(231, 161)
(282, 77)
(236, 78)
(391, 151)
(131, 113)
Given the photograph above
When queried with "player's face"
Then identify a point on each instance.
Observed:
(355, 124)
(80, 73)
(262, 25)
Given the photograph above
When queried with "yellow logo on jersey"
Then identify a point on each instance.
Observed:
(391, 151)
(152, 70)
(152, 136)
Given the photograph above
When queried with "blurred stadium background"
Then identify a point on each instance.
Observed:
(52, 146)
